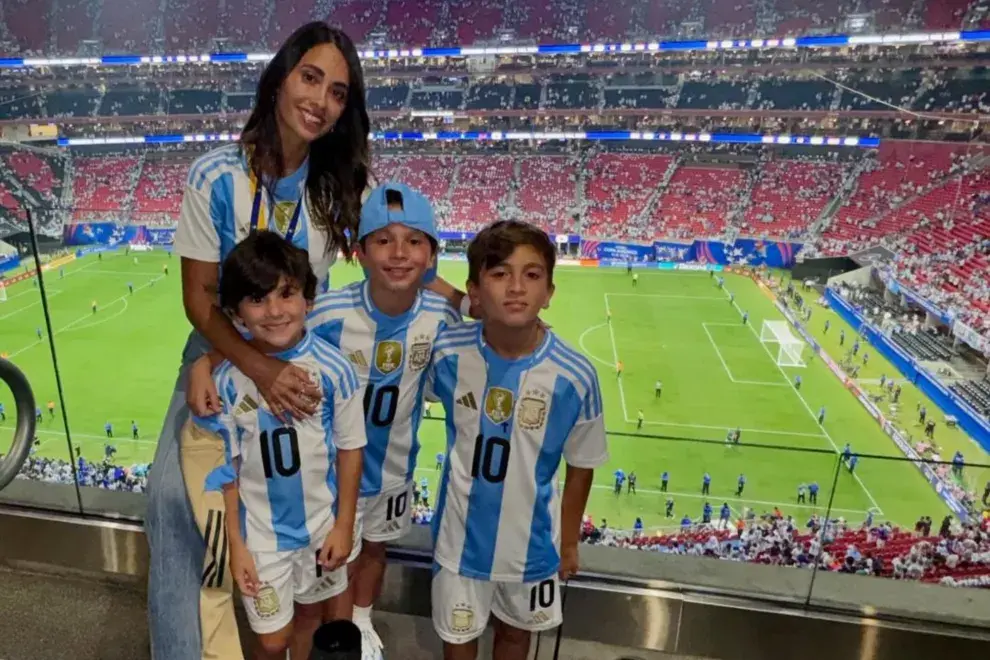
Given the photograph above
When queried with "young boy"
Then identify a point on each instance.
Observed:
(538, 400)
(387, 325)
(289, 489)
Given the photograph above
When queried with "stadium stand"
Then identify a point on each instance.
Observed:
(34, 25)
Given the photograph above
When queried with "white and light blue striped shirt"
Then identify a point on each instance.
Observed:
(390, 355)
(509, 423)
(216, 210)
(286, 474)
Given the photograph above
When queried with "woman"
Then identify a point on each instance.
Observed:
(300, 168)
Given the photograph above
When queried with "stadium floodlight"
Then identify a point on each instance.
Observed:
(789, 348)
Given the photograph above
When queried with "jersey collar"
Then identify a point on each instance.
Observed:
(382, 318)
(526, 360)
(300, 348)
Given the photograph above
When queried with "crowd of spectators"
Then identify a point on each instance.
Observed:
(34, 26)
(957, 555)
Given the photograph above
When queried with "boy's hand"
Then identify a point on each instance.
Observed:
(201, 392)
(288, 389)
(243, 569)
(568, 562)
(336, 548)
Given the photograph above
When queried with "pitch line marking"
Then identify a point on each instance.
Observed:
(665, 295)
(585, 349)
(88, 316)
(811, 412)
(51, 294)
(737, 381)
(615, 355)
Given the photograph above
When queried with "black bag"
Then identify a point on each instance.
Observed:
(337, 640)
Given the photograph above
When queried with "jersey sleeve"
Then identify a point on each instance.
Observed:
(586, 446)
(348, 410)
(223, 426)
(196, 236)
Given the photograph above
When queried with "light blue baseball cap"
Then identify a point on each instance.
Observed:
(416, 213)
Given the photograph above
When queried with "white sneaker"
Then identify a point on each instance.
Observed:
(371, 643)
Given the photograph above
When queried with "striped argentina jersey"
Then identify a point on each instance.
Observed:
(287, 476)
(217, 208)
(390, 355)
(509, 423)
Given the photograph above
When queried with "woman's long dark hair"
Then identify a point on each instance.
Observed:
(338, 161)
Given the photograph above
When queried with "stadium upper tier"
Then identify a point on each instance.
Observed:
(955, 91)
(47, 26)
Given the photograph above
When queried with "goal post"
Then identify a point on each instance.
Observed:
(788, 347)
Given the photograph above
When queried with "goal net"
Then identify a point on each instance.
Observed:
(789, 347)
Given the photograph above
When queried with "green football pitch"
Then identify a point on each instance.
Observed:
(119, 364)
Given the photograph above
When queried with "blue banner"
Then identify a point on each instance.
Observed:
(741, 252)
(620, 254)
(9, 262)
(112, 234)
(673, 252)
(970, 421)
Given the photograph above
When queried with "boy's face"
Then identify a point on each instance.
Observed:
(278, 318)
(513, 292)
(396, 257)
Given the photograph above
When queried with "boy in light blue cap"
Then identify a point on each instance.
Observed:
(385, 325)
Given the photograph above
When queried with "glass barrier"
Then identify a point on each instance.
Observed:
(702, 390)
(27, 324)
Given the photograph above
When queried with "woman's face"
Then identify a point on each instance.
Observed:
(314, 93)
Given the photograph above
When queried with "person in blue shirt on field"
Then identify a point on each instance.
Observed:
(685, 522)
(37, 331)
(958, 462)
(853, 460)
(732, 297)
(37, 414)
(130, 287)
(922, 413)
(856, 348)
(800, 494)
(846, 452)
(883, 380)
(620, 478)
(745, 318)
(631, 488)
(797, 382)
(828, 324)
(721, 282)
(813, 492)
(439, 460)
(724, 514)
(61, 273)
(866, 358)
(108, 429)
(638, 527)
(706, 483)
(669, 512)
(821, 416)
(109, 451)
(842, 337)
(740, 485)
(134, 430)
(706, 514)
(664, 479)
(3, 413)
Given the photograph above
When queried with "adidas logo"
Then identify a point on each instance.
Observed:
(357, 357)
(247, 405)
(468, 401)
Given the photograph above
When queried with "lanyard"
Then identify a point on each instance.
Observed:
(258, 221)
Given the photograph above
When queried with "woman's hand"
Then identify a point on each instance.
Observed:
(201, 391)
(288, 389)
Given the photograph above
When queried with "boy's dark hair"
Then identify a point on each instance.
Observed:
(255, 266)
(495, 243)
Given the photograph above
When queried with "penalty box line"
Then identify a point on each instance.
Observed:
(804, 403)
(737, 381)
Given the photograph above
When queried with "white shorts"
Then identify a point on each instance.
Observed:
(462, 605)
(286, 578)
(387, 516)
(356, 536)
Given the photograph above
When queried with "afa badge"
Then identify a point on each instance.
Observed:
(388, 356)
(419, 353)
(461, 618)
(266, 602)
(532, 411)
(498, 405)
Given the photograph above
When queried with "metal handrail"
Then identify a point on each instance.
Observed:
(24, 404)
